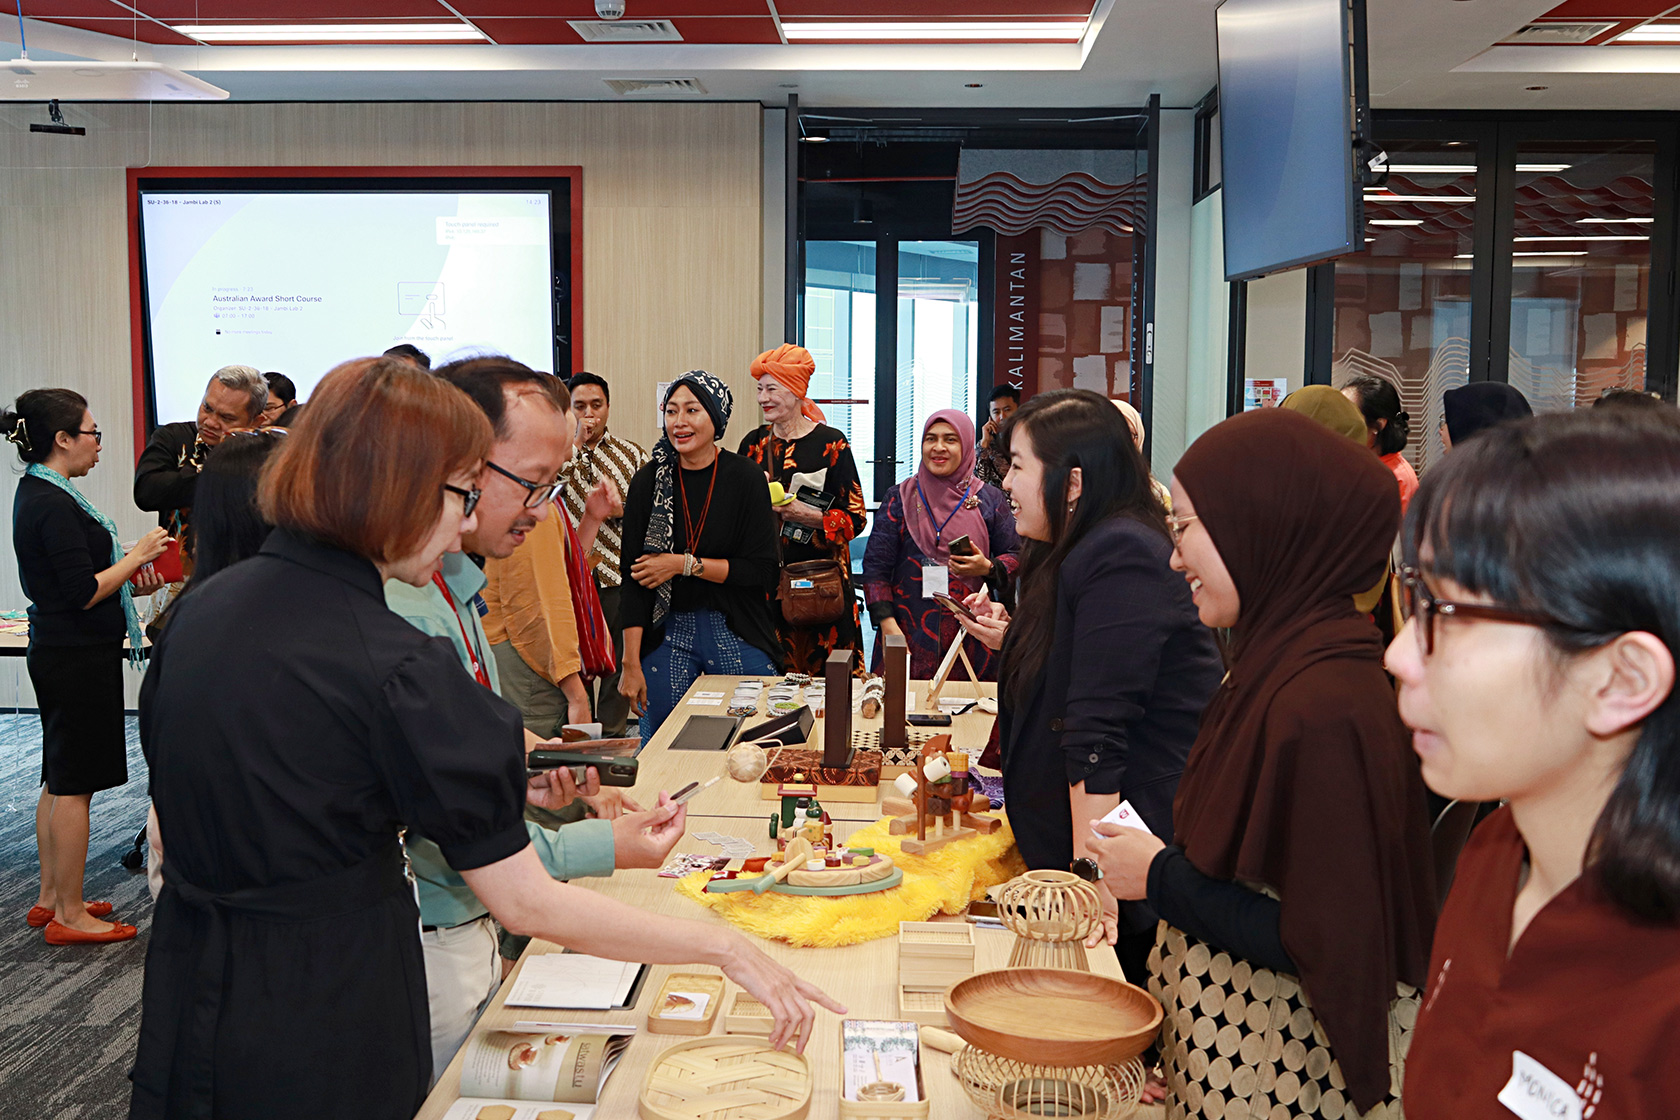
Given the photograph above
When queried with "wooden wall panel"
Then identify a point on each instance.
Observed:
(671, 235)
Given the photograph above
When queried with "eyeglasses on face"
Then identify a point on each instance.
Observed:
(98, 436)
(536, 493)
(469, 498)
(1419, 604)
(1176, 526)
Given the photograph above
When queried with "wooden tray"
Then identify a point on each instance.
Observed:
(748, 1016)
(936, 940)
(727, 886)
(726, 1079)
(931, 979)
(711, 986)
(926, 1007)
(1053, 1016)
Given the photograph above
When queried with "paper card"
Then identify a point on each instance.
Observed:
(486, 1108)
(1124, 814)
(684, 1005)
(1536, 1093)
(936, 580)
(708, 696)
(706, 703)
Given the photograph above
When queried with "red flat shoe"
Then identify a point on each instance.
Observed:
(59, 934)
(40, 915)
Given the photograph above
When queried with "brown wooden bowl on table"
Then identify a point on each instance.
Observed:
(1053, 1016)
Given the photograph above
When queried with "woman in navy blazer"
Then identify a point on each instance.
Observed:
(1106, 668)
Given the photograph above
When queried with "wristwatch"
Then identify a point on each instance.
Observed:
(699, 566)
(1086, 868)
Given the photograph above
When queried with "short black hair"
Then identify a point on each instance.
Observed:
(1001, 391)
(280, 388)
(587, 378)
(1631, 400)
(488, 381)
(408, 352)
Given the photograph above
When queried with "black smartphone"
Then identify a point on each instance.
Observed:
(924, 719)
(952, 605)
(962, 546)
(613, 771)
(984, 909)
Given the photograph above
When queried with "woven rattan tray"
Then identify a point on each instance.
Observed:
(729, 1078)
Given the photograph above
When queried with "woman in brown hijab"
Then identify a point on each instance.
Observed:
(1298, 896)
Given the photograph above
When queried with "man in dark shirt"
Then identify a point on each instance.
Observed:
(992, 462)
(168, 468)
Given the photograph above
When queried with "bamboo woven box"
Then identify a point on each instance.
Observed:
(726, 1078)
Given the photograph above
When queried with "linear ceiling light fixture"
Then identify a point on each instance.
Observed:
(1394, 221)
(1615, 221)
(1589, 237)
(1542, 253)
(1046, 31)
(1465, 168)
(1650, 33)
(236, 33)
(1454, 198)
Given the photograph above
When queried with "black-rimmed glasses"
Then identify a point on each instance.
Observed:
(536, 493)
(98, 436)
(469, 498)
(1417, 602)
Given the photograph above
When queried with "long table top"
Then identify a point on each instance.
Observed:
(863, 977)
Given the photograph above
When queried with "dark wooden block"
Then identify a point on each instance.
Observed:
(837, 716)
(896, 667)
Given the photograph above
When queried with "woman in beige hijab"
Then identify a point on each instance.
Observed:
(1134, 421)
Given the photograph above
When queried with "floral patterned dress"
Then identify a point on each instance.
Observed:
(892, 574)
(821, 453)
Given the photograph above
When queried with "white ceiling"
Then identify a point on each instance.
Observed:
(1424, 54)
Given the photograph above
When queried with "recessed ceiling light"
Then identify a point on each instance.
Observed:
(1056, 31)
(1650, 33)
(1615, 221)
(1589, 237)
(332, 33)
(1452, 198)
(1394, 221)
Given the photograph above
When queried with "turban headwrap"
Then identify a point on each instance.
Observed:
(791, 367)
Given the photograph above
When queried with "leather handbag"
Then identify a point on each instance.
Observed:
(812, 593)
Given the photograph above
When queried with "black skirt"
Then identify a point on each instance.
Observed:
(80, 692)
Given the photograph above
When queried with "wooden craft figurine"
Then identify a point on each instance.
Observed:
(941, 796)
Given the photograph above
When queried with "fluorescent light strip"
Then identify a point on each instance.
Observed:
(1542, 253)
(1589, 237)
(1615, 221)
(332, 33)
(1394, 221)
(1650, 33)
(1465, 168)
(1040, 30)
(1453, 198)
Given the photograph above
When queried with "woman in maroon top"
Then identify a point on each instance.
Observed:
(1538, 668)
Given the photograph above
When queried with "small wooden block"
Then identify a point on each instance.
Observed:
(948, 940)
(985, 826)
(933, 844)
(925, 1007)
(671, 998)
(748, 1016)
(893, 805)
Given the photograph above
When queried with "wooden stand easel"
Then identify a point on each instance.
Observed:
(937, 685)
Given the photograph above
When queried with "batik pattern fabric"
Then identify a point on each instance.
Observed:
(661, 530)
(1240, 1040)
(616, 460)
(822, 452)
(892, 573)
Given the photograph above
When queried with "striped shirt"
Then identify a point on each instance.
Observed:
(615, 459)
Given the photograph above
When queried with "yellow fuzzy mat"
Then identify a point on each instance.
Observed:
(943, 881)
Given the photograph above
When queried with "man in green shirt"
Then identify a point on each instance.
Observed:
(459, 940)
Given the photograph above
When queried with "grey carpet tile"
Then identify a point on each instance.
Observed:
(69, 1015)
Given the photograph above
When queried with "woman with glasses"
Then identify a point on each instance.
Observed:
(1537, 668)
(1297, 894)
(76, 576)
(699, 558)
(1106, 668)
(285, 975)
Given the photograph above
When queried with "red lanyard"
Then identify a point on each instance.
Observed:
(693, 531)
(472, 651)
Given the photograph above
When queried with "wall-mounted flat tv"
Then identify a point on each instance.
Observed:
(1287, 126)
(298, 269)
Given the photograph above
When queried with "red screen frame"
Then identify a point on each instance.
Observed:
(136, 308)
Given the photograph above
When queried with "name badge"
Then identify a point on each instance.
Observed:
(801, 584)
(1536, 1093)
(936, 580)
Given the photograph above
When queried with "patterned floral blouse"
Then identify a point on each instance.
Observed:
(892, 576)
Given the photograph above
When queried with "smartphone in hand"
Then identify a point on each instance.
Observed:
(953, 606)
(962, 546)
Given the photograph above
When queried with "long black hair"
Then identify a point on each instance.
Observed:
(33, 423)
(1064, 429)
(226, 525)
(1380, 400)
(1576, 516)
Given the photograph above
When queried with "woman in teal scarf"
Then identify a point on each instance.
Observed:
(76, 576)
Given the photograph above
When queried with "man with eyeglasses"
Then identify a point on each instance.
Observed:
(167, 471)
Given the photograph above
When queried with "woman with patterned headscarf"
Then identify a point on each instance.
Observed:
(699, 558)
(797, 449)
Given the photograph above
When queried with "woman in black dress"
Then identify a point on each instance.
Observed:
(796, 448)
(81, 607)
(295, 728)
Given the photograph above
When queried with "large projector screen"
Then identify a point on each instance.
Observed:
(298, 274)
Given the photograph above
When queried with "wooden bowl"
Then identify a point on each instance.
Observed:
(1053, 1016)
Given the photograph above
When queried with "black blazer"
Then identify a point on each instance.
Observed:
(1117, 705)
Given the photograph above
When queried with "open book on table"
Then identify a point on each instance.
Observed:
(535, 1075)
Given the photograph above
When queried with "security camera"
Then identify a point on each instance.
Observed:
(58, 126)
(609, 9)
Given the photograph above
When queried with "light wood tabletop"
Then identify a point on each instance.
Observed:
(863, 977)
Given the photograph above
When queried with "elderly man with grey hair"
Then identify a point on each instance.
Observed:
(168, 469)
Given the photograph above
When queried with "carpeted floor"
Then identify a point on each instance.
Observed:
(69, 1016)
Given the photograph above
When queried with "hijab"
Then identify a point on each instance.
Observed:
(1329, 407)
(939, 510)
(1302, 776)
(1480, 405)
(791, 367)
(1134, 421)
(719, 402)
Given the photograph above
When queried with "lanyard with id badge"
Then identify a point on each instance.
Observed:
(936, 578)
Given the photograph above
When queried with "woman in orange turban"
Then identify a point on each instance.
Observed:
(813, 463)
